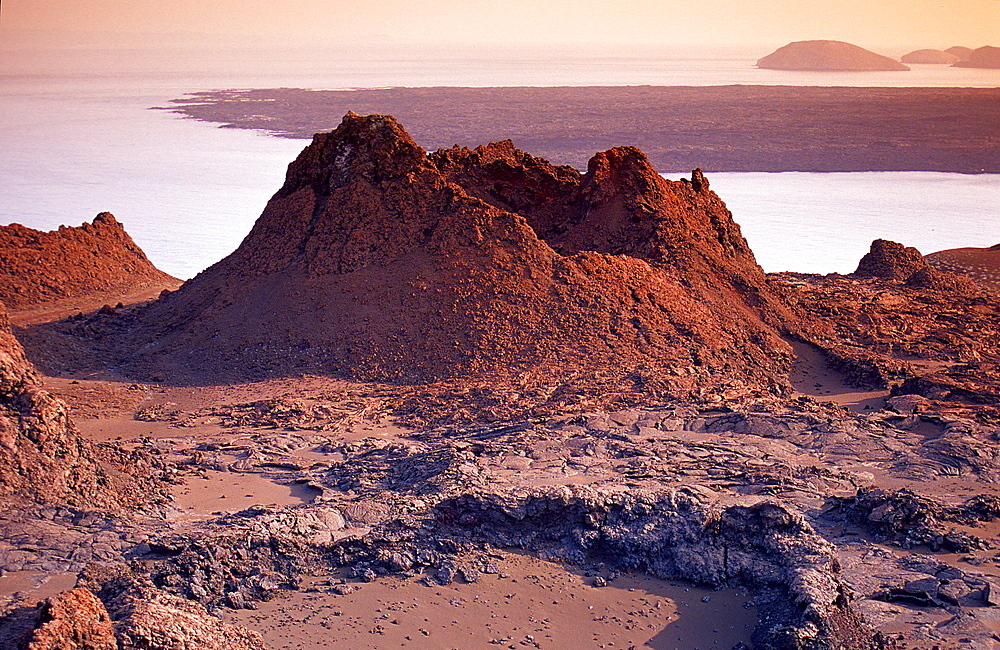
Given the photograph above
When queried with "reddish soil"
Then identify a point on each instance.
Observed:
(980, 264)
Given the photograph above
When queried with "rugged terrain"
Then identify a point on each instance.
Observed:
(515, 357)
(378, 262)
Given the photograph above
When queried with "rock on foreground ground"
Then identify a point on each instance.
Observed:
(43, 459)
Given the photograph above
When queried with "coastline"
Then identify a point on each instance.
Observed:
(717, 128)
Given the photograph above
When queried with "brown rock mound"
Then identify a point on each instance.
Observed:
(930, 56)
(130, 615)
(831, 56)
(983, 57)
(74, 620)
(95, 258)
(43, 459)
(378, 261)
(889, 260)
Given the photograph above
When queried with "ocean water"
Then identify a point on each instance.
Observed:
(825, 223)
(79, 136)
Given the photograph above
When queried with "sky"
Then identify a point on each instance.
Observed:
(892, 23)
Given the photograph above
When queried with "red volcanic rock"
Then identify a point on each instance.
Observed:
(983, 57)
(43, 459)
(930, 56)
(827, 56)
(151, 619)
(131, 616)
(377, 261)
(74, 620)
(95, 258)
(889, 260)
(621, 206)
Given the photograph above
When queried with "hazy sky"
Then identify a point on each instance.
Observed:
(903, 23)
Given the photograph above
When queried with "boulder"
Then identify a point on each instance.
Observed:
(73, 620)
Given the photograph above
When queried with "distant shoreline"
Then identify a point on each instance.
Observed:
(717, 128)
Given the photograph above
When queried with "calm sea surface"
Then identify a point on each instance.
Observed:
(78, 137)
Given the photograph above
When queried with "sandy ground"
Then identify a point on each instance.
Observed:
(812, 376)
(530, 604)
(52, 311)
(32, 586)
(226, 492)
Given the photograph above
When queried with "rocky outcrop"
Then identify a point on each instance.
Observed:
(889, 260)
(930, 56)
(898, 323)
(96, 258)
(132, 616)
(983, 57)
(73, 620)
(829, 56)
(675, 535)
(757, 543)
(151, 619)
(43, 459)
(377, 261)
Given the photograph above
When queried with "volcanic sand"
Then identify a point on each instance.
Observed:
(530, 604)
(811, 375)
(980, 264)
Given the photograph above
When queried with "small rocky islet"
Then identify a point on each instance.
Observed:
(828, 56)
(456, 354)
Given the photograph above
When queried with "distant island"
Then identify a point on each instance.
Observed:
(717, 128)
(983, 57)
(930, 56)
(960, 51)
(828, 56)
